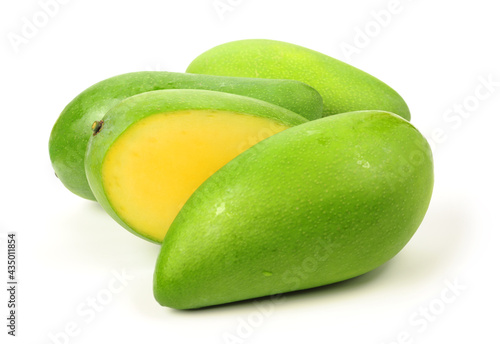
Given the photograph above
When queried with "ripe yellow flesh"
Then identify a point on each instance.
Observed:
(151, 170)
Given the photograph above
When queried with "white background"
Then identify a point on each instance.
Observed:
(434, 53)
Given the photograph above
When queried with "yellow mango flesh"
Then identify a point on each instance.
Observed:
(156, 164)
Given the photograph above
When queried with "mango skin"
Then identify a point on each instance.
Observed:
(343, 87)
(71, 132)
(318, 203)
(137, 107)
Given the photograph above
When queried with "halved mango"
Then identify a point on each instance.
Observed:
(153, 150)
(153, 167)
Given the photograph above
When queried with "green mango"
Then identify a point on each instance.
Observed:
(72, 130)
(318, 203)
(151, 152)
(343, 87)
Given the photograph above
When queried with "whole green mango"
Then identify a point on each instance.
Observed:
(343, 87)
(72, 131)
(332, 199)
